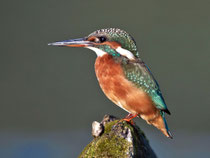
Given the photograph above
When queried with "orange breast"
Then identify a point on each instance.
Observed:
(121, 91)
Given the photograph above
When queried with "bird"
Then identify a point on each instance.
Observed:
(123, 76)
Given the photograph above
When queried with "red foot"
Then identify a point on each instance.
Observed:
(129, 118)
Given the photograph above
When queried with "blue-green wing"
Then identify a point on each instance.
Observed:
(141, 76)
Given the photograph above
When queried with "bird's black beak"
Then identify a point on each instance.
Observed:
(80, 42)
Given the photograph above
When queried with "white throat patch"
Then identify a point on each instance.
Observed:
(125, 52)
(99, 52)
(120, 50)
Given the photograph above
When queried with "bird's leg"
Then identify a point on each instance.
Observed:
(129, 117)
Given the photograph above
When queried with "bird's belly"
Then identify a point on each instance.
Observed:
(120, 90)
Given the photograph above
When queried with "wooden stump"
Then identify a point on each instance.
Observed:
(117, 139)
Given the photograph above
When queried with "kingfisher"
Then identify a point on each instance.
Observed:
(123, 76)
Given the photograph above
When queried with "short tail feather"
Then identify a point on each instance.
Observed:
(166, 125)
(160, 123)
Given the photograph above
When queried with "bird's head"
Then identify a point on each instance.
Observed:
(111, 41)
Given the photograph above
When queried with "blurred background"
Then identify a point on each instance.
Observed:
(49, 96)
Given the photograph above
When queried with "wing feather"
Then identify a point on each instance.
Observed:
(139, 74)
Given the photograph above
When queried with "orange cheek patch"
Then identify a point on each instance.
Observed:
(113, 45)
(92, 38)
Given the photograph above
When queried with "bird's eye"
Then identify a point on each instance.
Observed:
(102, 39)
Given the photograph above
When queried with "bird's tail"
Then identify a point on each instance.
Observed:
(160, 123)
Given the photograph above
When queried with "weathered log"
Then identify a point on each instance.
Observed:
(117, 139)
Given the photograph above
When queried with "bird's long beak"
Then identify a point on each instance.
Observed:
(80, 42)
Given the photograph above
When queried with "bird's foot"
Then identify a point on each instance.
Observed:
(129, 121)
(129, 118)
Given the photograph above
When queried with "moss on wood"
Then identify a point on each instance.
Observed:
(118, 139)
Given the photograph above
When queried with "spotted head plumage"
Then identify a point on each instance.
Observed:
(112, 38)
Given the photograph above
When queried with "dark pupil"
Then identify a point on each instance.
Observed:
(102, 39)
